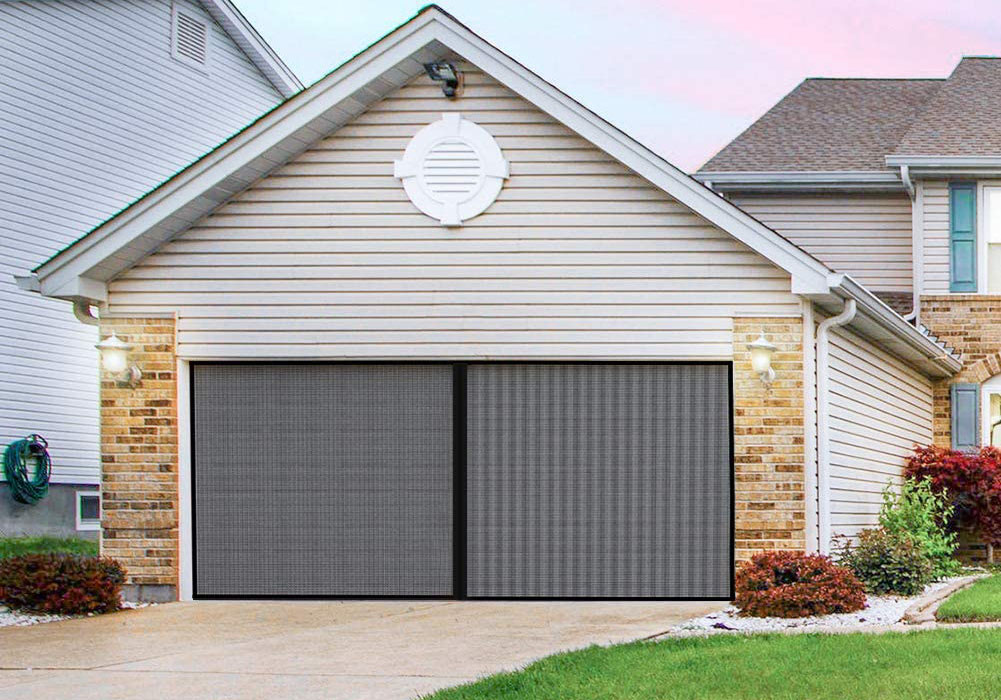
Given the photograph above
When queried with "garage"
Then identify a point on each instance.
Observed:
(471, 480)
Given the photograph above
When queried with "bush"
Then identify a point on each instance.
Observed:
(61, 584)
(887, 563)
(971, 482)
(790, 584)
(921, 515)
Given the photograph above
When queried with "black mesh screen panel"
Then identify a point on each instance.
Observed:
(594, 480)
(322, 479)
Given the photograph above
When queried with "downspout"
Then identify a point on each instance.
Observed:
(823, 422)
(917, 254)
(81, 309)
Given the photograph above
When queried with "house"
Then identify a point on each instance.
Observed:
(102, 101)
(898, 184)
(433, 328)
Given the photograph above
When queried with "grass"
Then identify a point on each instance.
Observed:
(981, 602)
(16, 546)
(939, 664)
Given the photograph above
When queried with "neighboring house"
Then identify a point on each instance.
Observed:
(478, 345)
(100, 102)
(897, 183)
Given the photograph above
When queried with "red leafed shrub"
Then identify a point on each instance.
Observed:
(790, 584)
(971, 481)
(61, 584)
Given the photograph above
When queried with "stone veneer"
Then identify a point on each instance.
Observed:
(769, 440)
(139, 461)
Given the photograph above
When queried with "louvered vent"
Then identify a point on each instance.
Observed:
(453, 168)
(190, 40)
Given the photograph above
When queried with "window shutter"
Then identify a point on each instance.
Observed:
(962, 237)
(965, 416)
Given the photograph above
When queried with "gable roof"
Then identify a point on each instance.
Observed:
(253, 45)
(829, 124)
(80, 271)
(963, 117)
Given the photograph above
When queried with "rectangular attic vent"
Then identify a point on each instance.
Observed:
(189, 37)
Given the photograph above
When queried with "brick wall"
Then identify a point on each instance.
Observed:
(769, 439)
(139, 460)
(968, 324)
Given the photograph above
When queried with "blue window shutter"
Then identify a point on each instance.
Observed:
(962, 237)
(965, 416)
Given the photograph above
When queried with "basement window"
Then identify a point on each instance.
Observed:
(189, 36)
(88, 510)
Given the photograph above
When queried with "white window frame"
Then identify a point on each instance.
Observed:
(88, 525)
(983, 247)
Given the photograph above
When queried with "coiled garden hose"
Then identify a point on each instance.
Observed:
(15, 468)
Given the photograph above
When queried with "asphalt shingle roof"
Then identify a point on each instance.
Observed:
(963, 118)
(830, 124)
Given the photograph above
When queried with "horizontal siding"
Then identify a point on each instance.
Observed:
(936, 236)
(867, 236)
(101, 113)
(879, 409)
(578, 258)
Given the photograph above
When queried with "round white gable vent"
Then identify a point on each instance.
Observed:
(452, 169)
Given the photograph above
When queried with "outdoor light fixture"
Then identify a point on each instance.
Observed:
(761, 359)
(446, 74)
(115, 359)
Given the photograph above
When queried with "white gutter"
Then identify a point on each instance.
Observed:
(905, 177)
(823, 422)
(801, 180)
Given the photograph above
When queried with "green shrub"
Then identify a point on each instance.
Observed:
(16, 546)
(792, 584)
(61, 584)
(920, 514)
(887, 563)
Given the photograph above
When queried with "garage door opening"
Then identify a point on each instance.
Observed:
(479, 480)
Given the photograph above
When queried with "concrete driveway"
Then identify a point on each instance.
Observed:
(308, 649)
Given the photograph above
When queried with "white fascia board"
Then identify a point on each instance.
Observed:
(229, 158)
(918, 349)
(253, 44)
(764, 181)
(809, 275)
(77, 288)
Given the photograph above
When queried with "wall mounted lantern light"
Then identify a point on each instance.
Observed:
(761, 359)
(115, 359)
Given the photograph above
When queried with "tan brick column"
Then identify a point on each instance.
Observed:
(967, 323)
(139, 461)
(769, 439)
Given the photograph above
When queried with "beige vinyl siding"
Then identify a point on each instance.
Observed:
(578, 258)
(95, 112)
(879, 409)
(936, 236)
(867, 236)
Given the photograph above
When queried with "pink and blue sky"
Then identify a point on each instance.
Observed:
(683, 77)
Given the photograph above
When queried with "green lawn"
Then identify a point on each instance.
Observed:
(15, 546)
(939, 664)
(981, 602)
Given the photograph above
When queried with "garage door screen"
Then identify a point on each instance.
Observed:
(599, 481)
(316, 480)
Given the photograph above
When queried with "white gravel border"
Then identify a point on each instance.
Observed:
(879, 611)
(16, 618)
